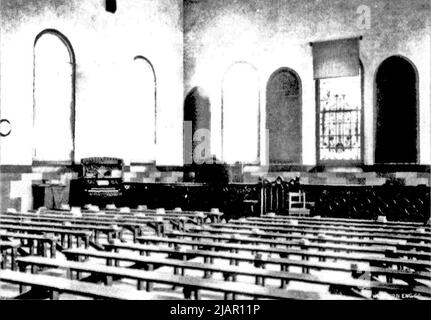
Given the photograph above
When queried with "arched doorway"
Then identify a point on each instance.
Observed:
(283, 120)
(396, 111)
(197, 126)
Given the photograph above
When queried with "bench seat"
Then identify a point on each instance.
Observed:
(287, 276)
(56, 286)
(278, 235)
(291, 229)
(404, 275)
(382, 230)
(321, 246)
(410, 263)
(190, 283)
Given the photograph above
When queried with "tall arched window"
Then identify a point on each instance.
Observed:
(396, 109)
(142, 113)
(283, 119)
(54, 98)
(240, 114)
(340, 104)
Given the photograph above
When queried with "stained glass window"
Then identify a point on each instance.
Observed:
(340, 119)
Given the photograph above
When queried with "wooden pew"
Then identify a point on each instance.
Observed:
(44, 242)
(216, 216)
(134, 224)
(260, 275)
(346, 221)
(52, 287)
(321, 221)
(80, 235)
(382, 230)
(106, 226)
(190, 284)
(283, 263)
(321, 245)
(303, 253)
(95, 229)
(312, 238)
(371, 235)
(137, 214)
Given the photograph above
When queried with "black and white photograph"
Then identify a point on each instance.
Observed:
(215, 150)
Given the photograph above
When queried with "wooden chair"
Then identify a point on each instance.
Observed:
(298, 205)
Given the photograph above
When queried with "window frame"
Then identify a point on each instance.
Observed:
(72, 57)
(347, 163)
(155, 92)
(301, 116)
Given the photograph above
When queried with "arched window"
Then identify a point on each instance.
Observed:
(240, 114)
(142, 112)
(340, 104)
(283, 120)
(54, 98)
(396, 111)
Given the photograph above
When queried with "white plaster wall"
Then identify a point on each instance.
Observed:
(105, 45)
(276, 33)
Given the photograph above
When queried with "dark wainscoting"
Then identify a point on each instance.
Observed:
(234, 200)
(401, 203)
(397, 203)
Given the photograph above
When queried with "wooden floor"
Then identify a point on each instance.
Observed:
(144, 255)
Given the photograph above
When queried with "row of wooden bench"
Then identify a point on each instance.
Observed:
(307, 231)
(348, 287)
(229, 242)
(319, 221)
(410, 255)
(99, 223)
(294, 224)
(319, 237)
(44, 286)
(32, 229)
(193, 215)
(234, 258)
(192, 284)
(347, 221)
(320, 241)
(136, 226)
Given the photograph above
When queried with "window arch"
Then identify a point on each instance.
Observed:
(284, 116)
(54, 98)
(142, 115)
(240, 114)
(396, 100)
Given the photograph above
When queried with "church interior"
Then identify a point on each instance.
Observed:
(215, 149)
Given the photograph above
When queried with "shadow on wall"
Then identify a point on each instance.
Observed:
(197, 126)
